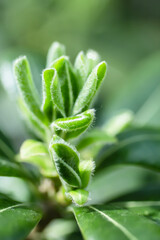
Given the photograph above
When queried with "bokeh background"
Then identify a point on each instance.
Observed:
(126, 33)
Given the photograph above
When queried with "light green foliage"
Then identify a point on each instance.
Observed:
(67, 93)
(89, 88)
(37, 153)
(79, 196)
(75, 125)
(56, 50)
(63, 167)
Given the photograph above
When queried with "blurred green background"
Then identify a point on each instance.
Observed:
(126, 33)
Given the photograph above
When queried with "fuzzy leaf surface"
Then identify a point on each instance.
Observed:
(66, 160)
(90, 87)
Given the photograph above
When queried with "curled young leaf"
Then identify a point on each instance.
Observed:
(26, 87)
(90, 87)
(55, 51)
(84, 65)
(47, 104)
(75, 125)
(56, 94)
(86, 169)
(62, 67)
(34, 123)
(37, 153)
(66, 160)
(78, 196)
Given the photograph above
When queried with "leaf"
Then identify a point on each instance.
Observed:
(64, 81)
(20, 219)
(142, 150)
(90, 87)
(75, 125)
(56, 94)
(120, 221)
(59, 229)
(84, 65)
(78, 196)
(40, 129)
(118, 123)
(86, 169)
(37, 153)
(115, 181)
(66, 160)
(47, 104)
(95, 137)
(55, 51)
(14, 169)
(26, 87)
(6, 149)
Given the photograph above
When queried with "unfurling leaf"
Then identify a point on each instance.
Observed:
(47, 77)
(55, 51)
(90, 87)
(26, 87)
(84, 65)
(64, 81)
(34, 123)
(66, 160)
(78, 196)
(86, 169)
(75, 125)
(37, 153)
(56, 94)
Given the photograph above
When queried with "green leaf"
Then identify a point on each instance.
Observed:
(20, 219)
(75, 125)
(55, 51)
(142, 150)
(84, 65)
(26, 87)
(37, 153)
(93, 59)
(6, 149)
(95, 137)
(120, 221)
(118, 123)
(56, 94)
(86, 169)
(115, 181)
(66, 160)
(90, 87)
(78, 196)
(14, 169)
(59, 229)
(38, 127)
(47, 105)
(64, 81)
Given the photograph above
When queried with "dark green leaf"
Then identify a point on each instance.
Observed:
(6, 149)
(17, 219)
(66, 160)
(142, 150)
(120, 221)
